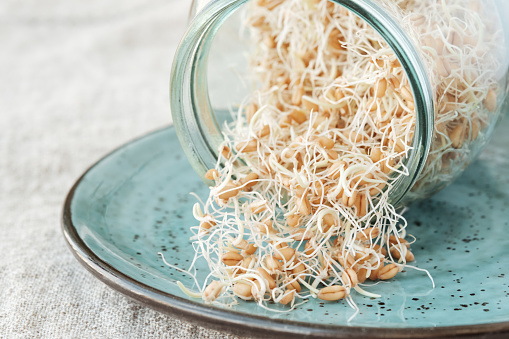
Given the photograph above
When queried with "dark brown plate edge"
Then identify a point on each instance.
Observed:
(235, 322)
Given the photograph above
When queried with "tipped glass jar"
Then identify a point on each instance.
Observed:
(454, 79)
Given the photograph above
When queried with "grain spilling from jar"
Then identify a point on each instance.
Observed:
(300, 202)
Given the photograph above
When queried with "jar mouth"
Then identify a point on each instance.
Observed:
(199, 132)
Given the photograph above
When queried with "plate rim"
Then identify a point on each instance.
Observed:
(227, 320)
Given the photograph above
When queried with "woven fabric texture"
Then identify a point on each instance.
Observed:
(77, 79)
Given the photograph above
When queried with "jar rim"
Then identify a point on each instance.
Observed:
(188, 85)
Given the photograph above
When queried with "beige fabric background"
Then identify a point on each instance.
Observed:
(77, 79)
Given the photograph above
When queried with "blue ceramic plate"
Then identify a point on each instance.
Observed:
(135, 203)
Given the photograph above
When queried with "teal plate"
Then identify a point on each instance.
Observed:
(135, 203)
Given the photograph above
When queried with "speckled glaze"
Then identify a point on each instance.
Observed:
(135, 203)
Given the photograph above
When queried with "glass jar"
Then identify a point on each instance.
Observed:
(210, 71)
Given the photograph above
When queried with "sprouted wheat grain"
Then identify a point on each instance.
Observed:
(300, 207)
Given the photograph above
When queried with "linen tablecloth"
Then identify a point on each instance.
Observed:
(77, 79)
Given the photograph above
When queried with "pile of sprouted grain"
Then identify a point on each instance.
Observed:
(300, 207)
